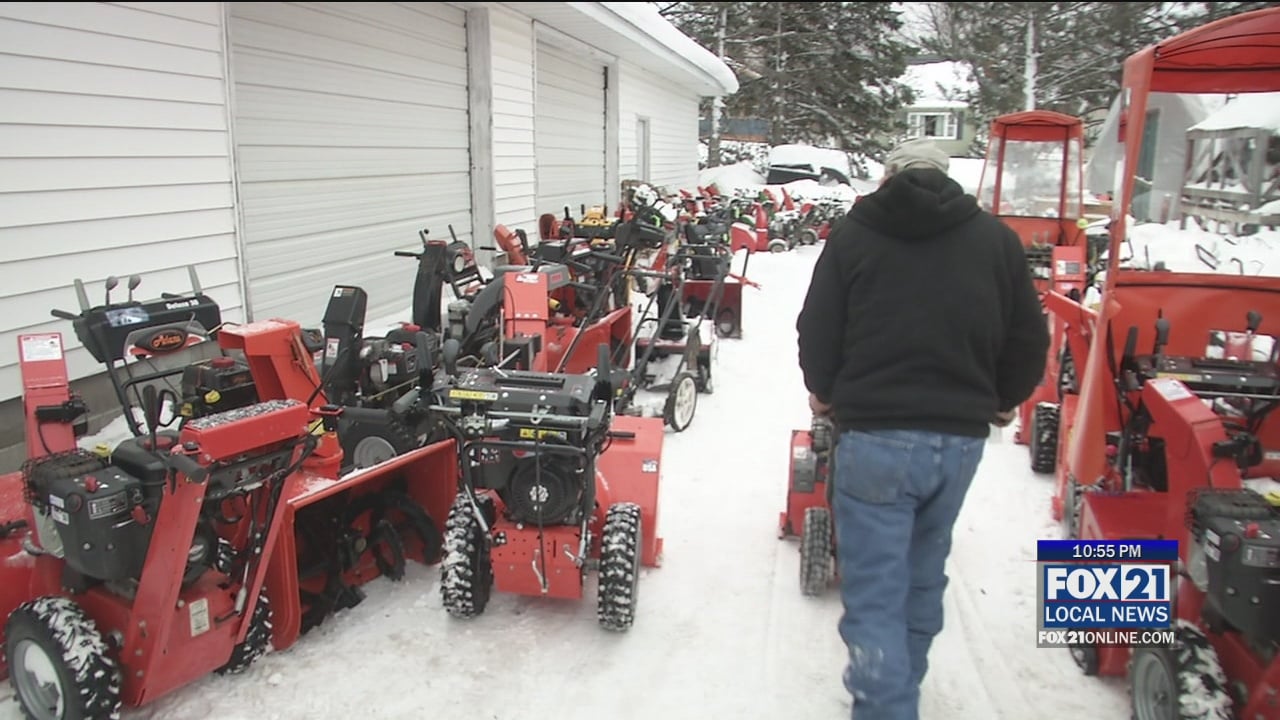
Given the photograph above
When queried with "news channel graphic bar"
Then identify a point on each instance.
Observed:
(1107, 550)
(1067, 639)
(1105, 592)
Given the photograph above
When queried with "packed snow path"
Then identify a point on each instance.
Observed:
(722, 629)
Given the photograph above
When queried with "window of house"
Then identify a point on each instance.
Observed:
(936, 126)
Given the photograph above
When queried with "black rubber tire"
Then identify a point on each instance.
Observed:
(467, 570)
(777, 245)
(1086, 658)
(820, 432)
(1067, 381)
(393, 434)
(1043, 443)
(256, 642)
(1187, 676)
(87, 676)
(1071, 504)
(620, 551)
(808, 236)
(815, 551)
(671, 414)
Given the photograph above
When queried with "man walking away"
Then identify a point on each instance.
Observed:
(921, 327)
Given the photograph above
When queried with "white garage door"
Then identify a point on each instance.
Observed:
(569, 131)
(351, 135)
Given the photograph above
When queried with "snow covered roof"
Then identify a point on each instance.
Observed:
(635, 32)
(1249, 110)
(939, 84)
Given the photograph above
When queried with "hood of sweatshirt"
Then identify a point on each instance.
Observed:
(915, 204)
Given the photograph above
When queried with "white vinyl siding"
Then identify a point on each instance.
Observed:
(514, 173)
(673, 129)
(113, 161)
(351, 127)
(569, 131)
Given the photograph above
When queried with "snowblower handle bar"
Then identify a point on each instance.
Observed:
(512, 415)
(194, 471)
(553, 448)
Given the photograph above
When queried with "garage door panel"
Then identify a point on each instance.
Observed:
(405, 55)
(389, 26)
(301, 106)
(321, 134)
(569, 134)
(307, 211)
(271, 70)
(264, 164)
(352, 135)
(297, 255)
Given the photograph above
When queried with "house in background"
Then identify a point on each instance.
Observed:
(285, 148)
(1159, 175)
(940, 111)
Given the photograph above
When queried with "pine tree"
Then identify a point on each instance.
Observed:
(825, 73)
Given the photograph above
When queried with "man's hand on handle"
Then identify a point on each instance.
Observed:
(818, 407)
(1005, 418)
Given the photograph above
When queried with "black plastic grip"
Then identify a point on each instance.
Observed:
(194, 471)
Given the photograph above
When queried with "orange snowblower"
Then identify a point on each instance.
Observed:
(554, 484)
(1033, 181)
(1170, 433)
(205, 538)
(807, 515)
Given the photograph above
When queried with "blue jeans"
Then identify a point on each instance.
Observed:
(896, 497)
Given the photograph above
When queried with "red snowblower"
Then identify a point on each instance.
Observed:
(808, 510)
(207, 537)
(1033, 181)
(554, 485)
(1171, 433)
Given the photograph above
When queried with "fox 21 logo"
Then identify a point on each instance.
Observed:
(1115, 595)
(1114, 582)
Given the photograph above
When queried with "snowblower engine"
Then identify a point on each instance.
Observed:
(85, 512)
(99, 514)
(1235, 561)
(217, 384)
(533, 438)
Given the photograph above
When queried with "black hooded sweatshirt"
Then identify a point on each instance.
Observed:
(921, 313)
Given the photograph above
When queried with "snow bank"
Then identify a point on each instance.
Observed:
(646, 17)
(1253, 255)
(727, 177)
(1250, 110)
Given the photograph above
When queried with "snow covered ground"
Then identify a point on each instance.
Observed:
(723, 631)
